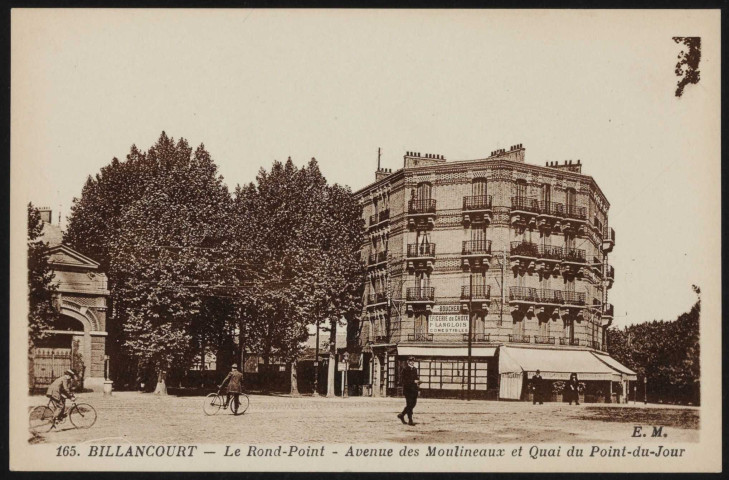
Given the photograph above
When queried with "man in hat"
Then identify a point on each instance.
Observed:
(235, 387)
(537, 388)
(410, 382)
(58, 392)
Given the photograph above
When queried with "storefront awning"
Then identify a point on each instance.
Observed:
(443, 351)
(627, 373)
(555, 364)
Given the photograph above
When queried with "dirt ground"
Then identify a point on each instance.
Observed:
(145, 418)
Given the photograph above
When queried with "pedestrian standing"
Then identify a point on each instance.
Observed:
(410, 382)
(537, 389)
(573, 386)
(235, 387)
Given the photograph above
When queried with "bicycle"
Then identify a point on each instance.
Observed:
(215, 401)
(81, 415)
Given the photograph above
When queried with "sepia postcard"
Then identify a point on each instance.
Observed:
(365, 240)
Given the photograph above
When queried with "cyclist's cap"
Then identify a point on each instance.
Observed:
(70, 372)
(235, 365)
(411, 359)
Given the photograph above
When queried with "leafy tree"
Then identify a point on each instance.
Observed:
(166, 259)
(302, 237)
(41, 287)
(666, 353)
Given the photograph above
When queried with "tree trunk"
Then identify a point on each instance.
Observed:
(332, 359)
(161, 383)
(294, 380)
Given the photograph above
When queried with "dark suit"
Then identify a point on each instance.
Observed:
(573, 391)
(538, 389)
(410, 390)
(235, 387)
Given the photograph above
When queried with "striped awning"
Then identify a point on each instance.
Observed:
(555, 364)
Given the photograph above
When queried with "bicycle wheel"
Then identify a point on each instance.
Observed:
(41, 419)
(82, 415)
(244, 403)
(212, 403)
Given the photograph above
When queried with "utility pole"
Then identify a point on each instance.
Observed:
(470, 335)
(503, 266)
(316, 358)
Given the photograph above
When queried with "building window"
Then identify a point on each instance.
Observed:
(446, 374)
(479, 187)
(546, 193)
(521, 189)
(424, 191)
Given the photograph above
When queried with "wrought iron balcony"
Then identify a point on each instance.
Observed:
(479, 202)
(378, 257)
(477, 337)
(514, 338)
(421, 206)
(524, 204)
(420, 337)
(420, 294)
(480, 292)
(375, 298)
(610, 272)
(575, 342)
(544, 295)
(524, 249)
(573, 211)
(576, 255)
(422, 250)
(385, 215)
(608, 240)
(476, 247)
(543, 340)
(551, 208)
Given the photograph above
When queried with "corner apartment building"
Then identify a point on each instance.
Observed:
(519, 251)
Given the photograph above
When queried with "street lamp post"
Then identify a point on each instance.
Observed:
(470, 335)
(316, 360)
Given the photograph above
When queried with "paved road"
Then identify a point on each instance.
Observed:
(146, 418)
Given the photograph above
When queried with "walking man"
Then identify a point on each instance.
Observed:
(537, 388)
(410, 382)
(235, 387)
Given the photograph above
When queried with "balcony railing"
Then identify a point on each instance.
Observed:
(573, 211)
(421, 250)
(525, 249)
(544, 295)
(479, 292)
(421, 206)
(514, 338)
(385, 215)
(477, 247)
(525, 204)
(610, 272)
(479, 202)
(552, 208)
(574, 255)
(420, 294)
(377, 257)
(548, 208)
(575, 342)
(543, 340)
(420, 337)
(374, 298)
(477, 337)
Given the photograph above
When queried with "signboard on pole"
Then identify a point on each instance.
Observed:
(448, 324)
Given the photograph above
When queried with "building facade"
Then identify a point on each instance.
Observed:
(515, 254)
(79, 337)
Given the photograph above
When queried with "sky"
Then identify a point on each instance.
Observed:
(257, 86)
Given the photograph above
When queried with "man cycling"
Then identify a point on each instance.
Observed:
(58, 392)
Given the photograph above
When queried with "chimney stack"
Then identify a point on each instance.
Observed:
(45, 214)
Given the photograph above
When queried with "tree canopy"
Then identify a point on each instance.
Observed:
(665, 352)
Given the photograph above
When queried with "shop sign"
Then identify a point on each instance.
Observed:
(448, 324)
